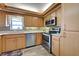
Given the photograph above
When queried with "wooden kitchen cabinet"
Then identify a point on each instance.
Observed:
(21, 42)
(2, 5)
(59, 16)
(13, 42)
(31, 21)
(37, 22)
(28, 21)
(38, 38)
(10, 44)
(55, 45)
(2, 18)
(0, 45)
(69, 44)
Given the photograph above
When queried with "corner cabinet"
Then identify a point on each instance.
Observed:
(55, 45)
(13, 42)
(38, 38)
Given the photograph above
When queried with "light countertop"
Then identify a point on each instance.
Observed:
(19, 32)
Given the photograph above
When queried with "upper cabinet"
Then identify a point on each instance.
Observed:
(2, 18)
(56, 12)
(2, 6)
(37, 22)
(31, 21)
(28, 21)
(59, 16)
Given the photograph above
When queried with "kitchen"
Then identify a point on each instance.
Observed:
(54, 30)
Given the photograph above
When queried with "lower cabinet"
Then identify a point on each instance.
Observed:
(0, 45)
(13, 42)
(21, 42)
(55, 45)
(10, 44)
(38, 38)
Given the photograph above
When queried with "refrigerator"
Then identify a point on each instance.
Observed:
(69, 40)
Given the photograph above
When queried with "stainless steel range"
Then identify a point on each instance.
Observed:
(47, 38)
(47, 41)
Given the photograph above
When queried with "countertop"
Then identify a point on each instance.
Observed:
(19, 32)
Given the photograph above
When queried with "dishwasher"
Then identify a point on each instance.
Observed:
(30, 39)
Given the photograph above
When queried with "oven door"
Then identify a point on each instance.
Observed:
(46, 41)
(46, 37)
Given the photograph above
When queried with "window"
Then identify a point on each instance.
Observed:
(15, 22)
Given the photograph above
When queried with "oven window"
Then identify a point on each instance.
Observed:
(46, 38)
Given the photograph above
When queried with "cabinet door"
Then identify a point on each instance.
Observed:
(37, 22)
(28, 21)
(40, 22)
(71, 16)
(38, 38)
(55, 45)
(21, 42)
(59, 16)
(10, 44)
(2, 18)
(0, 44)
(2, 5)
(69, 44)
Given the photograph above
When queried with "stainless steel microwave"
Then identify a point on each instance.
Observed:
(52, 21)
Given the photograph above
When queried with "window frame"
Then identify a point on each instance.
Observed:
(9, 21)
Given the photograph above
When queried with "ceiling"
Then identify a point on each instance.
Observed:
(35, 7)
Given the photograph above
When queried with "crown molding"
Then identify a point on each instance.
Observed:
(27, 12)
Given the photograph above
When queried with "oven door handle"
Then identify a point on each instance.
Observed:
(46, 34)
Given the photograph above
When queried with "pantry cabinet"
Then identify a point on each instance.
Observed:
(69, 44)
(55, 45)
(38, 38)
